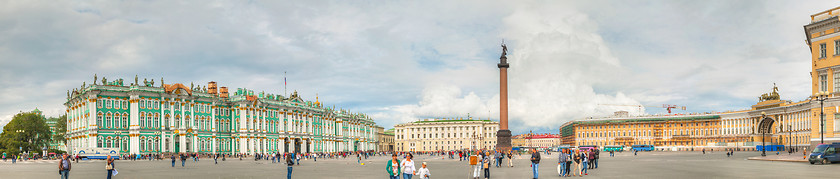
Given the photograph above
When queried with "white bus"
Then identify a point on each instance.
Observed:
(97, 153)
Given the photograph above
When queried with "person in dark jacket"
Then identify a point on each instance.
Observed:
(183, 159)
(535, 163)
(597, 156)
(63, 166)
(290, 161)
(173, 159)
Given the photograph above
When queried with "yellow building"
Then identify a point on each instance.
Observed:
(771, 121)
(823, 40)
(518, 140)
(385, 139)
(445, 135)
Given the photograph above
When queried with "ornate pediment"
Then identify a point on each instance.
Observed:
(177, 88)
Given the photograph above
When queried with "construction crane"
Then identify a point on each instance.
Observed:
(666, 106)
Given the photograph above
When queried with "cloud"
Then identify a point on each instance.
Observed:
(555, 56)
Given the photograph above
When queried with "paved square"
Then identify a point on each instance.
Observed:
(623, 165)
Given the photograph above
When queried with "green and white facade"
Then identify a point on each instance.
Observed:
(141, 119)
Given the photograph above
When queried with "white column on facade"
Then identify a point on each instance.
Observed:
(182, 126)
(90, 123)
(134, 127)
(243, 142)
(214, 142)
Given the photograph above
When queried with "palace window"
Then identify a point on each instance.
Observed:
(99, 103)
(822, 51)
(156, 124)
(108, 121)
(99, 119)
(837, 81)
(125, 120)
(837, 47)
(823, 82)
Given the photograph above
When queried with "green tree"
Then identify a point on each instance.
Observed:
(27, 131)
(60, 129)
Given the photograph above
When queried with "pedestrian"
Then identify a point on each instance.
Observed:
(510, 158)
(561, 163)
(393, 167)
(424, 172)
(183, 159)
(591, 157)
(568, 162)
(14, 159)
(704, 151)
(172, 156)
(597, 154)
(216, 159)
(577, 159)
(407, 166)
(584, 161)
(486, 165)
(109, 166)
(498, 158)
(63, 166)
(290, 161)
(612, 153)
(473, 159)
(297, 158)
(535, 163)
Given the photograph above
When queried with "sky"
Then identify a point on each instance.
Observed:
(400, 61)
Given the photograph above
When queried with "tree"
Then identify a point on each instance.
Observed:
(26, 131)
(60, 129)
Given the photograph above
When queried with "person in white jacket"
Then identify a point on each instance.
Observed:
(424, 173)
(408, 167)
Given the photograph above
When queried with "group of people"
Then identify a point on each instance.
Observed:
(65, 164)
(405, 168)
(581, 159)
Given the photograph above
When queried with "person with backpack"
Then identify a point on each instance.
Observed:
(584, 161)
(591, 158)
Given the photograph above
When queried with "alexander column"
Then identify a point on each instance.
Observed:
(503, 135)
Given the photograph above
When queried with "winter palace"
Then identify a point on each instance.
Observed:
(144, 118)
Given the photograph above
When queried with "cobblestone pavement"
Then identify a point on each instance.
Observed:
(623, 165)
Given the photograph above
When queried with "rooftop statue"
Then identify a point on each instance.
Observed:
(94, 79)
(104, 81)
(135, 80)
(774, 95)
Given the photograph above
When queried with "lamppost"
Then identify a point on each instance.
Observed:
(821, 96)
(763, 144)
(790, 139)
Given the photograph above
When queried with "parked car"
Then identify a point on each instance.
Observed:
(825, 154)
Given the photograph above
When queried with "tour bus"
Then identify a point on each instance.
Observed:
(770, 148)
(825, 154)
(97, 153)
(642, 148)
(587, 147)
(616, 148)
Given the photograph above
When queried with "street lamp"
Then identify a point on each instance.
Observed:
(763, 144)
(821, 96)
(790, 139)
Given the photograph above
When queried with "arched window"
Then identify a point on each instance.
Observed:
(142, 119)
(108, 120)
(99, 120)
(156, 123)
(177, 121)
(142, 104)
(125, 121)
(143, 144)
(99, 142)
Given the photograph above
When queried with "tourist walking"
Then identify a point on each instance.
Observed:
(535, 163)
(63, 166)
(597, 153)
(290, 161)
(568, 162)
(561, 163)
(486, 165)
(423, 172)
(407, 166)
(591, 158)
(584, 156)
(510, 158)
(473, 159)
(183, 159)
(109, 166)
(172, 156)
(498, 158)
(577, 160)
(393, 167)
